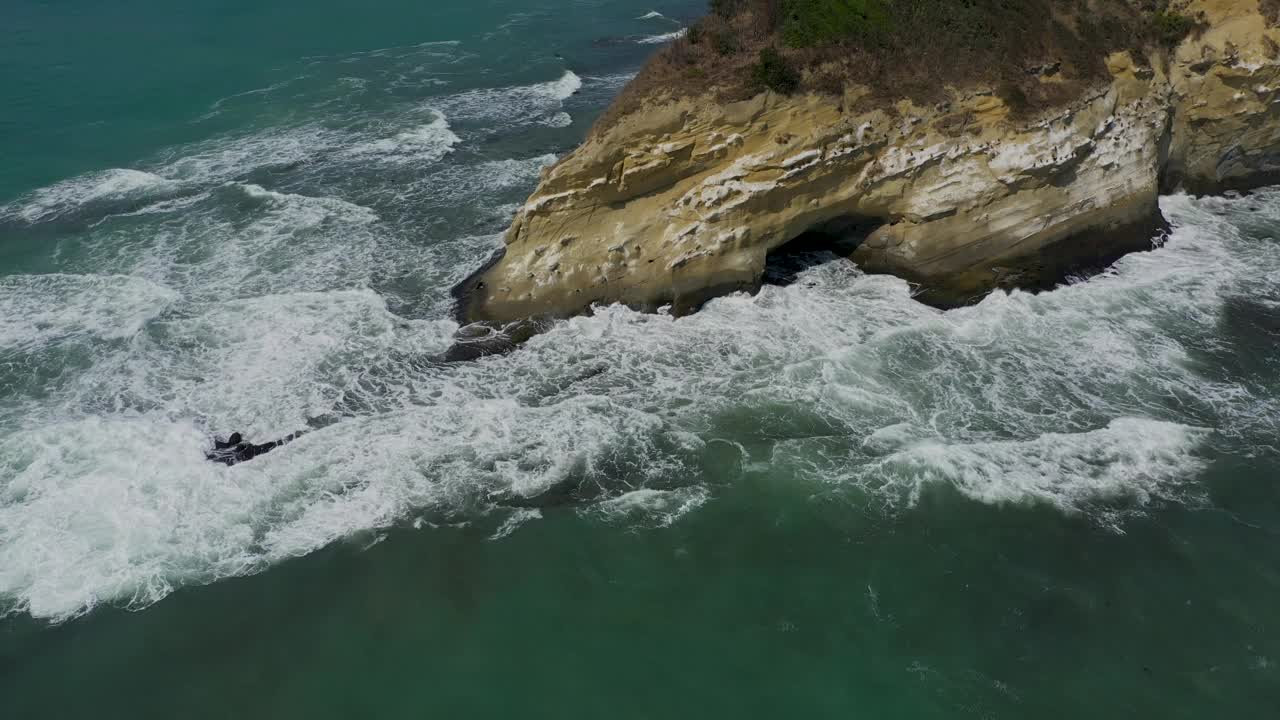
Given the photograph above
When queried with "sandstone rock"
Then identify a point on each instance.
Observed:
(684, 200)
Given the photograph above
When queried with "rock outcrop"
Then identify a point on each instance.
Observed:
(685, 199)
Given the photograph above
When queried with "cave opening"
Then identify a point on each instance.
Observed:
(821, 244)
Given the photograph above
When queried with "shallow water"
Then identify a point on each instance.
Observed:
(825, 499)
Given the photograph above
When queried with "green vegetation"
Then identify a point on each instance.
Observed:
(814, 23)
(724, 42)
(1172, 27)
(774, 72)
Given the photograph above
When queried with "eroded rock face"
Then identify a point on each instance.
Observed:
(1226, 129)
(684, 201)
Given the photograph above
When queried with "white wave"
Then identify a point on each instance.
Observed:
(652, 15)
(517, 104)
(663, 38)
(112, 185)
(510, 173)
(660, 508)
(426, 143)
(161, 207)
(180, 170)
(36, 310)
(1130, 459)
(514, 521)
(290, 242)
(191, 169)
(314, 209)
(559, 120)
(241, 240)
(221, 159)
(250, 342)
(609, 82)
(126, 510)
(100, 510)
(561, 89)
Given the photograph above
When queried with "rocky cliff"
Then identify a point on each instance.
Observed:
(684, 199)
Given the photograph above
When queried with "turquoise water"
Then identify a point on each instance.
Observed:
(824, 500)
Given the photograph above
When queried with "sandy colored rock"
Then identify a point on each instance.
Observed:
(684, 200)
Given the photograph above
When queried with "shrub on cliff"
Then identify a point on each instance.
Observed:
(773, 71)
(814, 23)
(1172, 27)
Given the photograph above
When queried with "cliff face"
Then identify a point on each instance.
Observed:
(684, 200)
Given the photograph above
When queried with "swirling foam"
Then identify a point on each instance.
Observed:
(1131, 459)
(38, 310)
(425, 143)
(513, 105)
(109, 185)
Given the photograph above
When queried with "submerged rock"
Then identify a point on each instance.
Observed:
(685, 199)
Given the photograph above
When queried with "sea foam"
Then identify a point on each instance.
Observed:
(117, 185)
(426, 143)
(37, 310)
(513, 105)
(1131, 459)
(663, 38)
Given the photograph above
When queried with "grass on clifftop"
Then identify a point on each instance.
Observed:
(1034, 53)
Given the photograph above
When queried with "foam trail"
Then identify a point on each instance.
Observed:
(425, 143)
(181, 171)
(216, 108)
(514, 104)
(456, 184)
(610, 82)
(663, 38)
(559, 120)
(109, 185)
(1131, 458)
(223, 159)
(513, 523)
(660, 508)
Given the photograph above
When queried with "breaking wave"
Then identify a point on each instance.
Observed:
(425, 143)
(521, 103)
(110, 186)
(1130, 459)
(663, 38)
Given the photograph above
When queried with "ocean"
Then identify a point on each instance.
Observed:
(823, 500)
